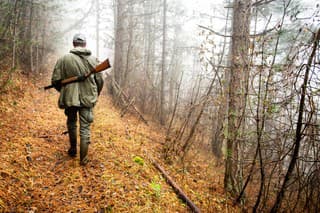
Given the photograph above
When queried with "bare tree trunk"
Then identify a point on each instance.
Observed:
(15, 23)
(129, 48)
(239, 66)
(119, 10)
(30, 38)
(146, 57)
(162, 115)
(97, 27)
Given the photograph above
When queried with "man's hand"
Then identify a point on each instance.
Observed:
(81, 78)
(57, 85)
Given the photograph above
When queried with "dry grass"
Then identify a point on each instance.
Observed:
(37, 175)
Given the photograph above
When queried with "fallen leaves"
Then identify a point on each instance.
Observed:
(36, 174)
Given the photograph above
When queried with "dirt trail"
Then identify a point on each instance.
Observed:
(37, 175)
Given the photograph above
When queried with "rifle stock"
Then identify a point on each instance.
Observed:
(102, 66)
(99, 68)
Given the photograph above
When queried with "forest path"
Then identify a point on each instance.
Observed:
(36, 174)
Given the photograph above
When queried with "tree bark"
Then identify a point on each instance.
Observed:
(239, 66)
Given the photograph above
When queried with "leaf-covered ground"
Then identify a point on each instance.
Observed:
(36, 174)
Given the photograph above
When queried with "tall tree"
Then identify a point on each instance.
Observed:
(119, 10)
(239, 68)
(162, 114)
(97, 27)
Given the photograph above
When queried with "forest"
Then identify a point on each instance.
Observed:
(222, 96)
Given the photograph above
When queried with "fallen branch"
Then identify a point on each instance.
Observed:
(175, 187)
(125, 109)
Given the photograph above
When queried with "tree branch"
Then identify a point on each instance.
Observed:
(229, 36)
(77, 22)
(261, 2)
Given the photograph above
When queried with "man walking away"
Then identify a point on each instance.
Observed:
(78, 98)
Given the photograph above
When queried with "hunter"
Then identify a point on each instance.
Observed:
(78, 98)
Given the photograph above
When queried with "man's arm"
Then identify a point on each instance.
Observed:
(98, 77)
(56, 76)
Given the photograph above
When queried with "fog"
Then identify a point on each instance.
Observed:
(203, 12)
(239, 82)
(206, 13)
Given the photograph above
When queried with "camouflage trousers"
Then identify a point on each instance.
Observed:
(86, 118)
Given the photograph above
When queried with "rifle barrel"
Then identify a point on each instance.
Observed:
(48, 87)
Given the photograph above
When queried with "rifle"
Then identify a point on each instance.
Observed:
(99, 68)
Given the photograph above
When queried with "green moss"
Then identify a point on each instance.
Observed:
(138, 160)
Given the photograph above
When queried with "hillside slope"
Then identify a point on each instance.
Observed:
(37, 175)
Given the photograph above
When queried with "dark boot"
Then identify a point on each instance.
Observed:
(72, 152)
(84, 146)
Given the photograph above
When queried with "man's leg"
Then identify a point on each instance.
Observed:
(71, 113)
(86, 118)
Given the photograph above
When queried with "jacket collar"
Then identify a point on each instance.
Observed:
(80, 51)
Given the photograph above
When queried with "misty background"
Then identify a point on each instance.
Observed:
(236, 80)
